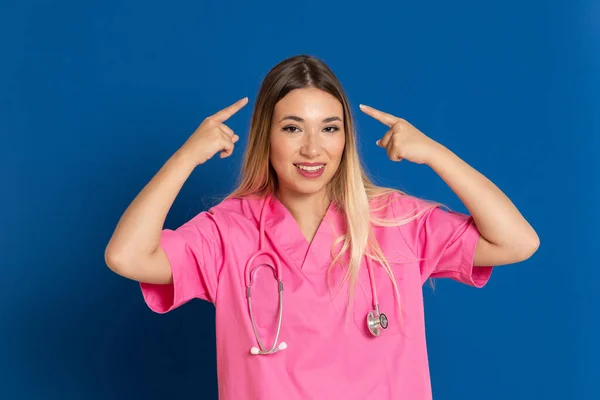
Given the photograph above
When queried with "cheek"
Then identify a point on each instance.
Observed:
(275, 151)
(336, 148)
(280, 154)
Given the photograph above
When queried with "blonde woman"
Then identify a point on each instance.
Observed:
(316, 273)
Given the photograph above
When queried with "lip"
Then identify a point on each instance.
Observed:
(310, 174)
(309, 164)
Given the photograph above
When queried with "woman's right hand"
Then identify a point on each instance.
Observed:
(213, 136)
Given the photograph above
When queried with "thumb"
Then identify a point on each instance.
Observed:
(383, 142)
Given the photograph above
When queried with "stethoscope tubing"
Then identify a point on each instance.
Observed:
(276, 268)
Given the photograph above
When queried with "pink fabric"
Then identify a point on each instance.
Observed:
(330, 354)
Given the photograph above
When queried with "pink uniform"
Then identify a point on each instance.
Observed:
(330, 354)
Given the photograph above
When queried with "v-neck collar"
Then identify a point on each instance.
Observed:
(288, 240)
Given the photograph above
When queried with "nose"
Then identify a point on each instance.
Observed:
(311, 146)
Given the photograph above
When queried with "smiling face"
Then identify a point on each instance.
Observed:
(307, 140)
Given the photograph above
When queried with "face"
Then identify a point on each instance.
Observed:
(307, 140)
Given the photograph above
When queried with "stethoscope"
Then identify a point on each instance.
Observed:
(376, 321)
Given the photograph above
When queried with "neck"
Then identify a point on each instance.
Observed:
(304, 207)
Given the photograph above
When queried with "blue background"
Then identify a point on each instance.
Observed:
(95, 97)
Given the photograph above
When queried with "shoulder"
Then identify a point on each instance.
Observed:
(399, 205)
(234, 213)
(217, 220)
(230, 210)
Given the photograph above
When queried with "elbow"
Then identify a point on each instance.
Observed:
(527, 248)
(115, 259)
(110, 259)
(125, 262)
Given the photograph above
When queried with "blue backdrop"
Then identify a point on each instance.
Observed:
(96, 96)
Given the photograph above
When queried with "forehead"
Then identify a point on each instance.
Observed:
(309, 103)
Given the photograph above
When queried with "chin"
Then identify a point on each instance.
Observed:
(304, 188)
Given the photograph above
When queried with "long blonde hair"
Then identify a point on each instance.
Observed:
(350, 188)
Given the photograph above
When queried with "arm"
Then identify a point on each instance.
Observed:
(133, 250)
(506, 237)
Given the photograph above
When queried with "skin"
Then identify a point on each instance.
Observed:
(134, 248)
(306, 138)
(134, 251)
(506, 236)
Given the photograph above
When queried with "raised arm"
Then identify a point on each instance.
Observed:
(134, 249)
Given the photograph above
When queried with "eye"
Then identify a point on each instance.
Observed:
(287, 128)
(329, 129)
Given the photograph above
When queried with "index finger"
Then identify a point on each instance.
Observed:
(227, 112)
(385, 118)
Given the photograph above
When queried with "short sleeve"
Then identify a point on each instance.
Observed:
(195, 253)
(445, 244)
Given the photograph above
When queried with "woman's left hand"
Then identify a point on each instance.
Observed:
(402, 141)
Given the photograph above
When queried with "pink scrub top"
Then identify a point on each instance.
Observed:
(330, 354)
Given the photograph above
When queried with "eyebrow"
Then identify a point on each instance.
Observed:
(298, 119)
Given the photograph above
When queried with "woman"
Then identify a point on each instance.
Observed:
(352, 257)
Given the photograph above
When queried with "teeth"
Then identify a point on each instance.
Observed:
(310, 169)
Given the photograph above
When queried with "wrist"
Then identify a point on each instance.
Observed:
(437, 154)
(184, 160)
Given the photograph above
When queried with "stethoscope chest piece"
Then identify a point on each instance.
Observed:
(376, 322)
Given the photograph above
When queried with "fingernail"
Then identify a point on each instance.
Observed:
(377, 142)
